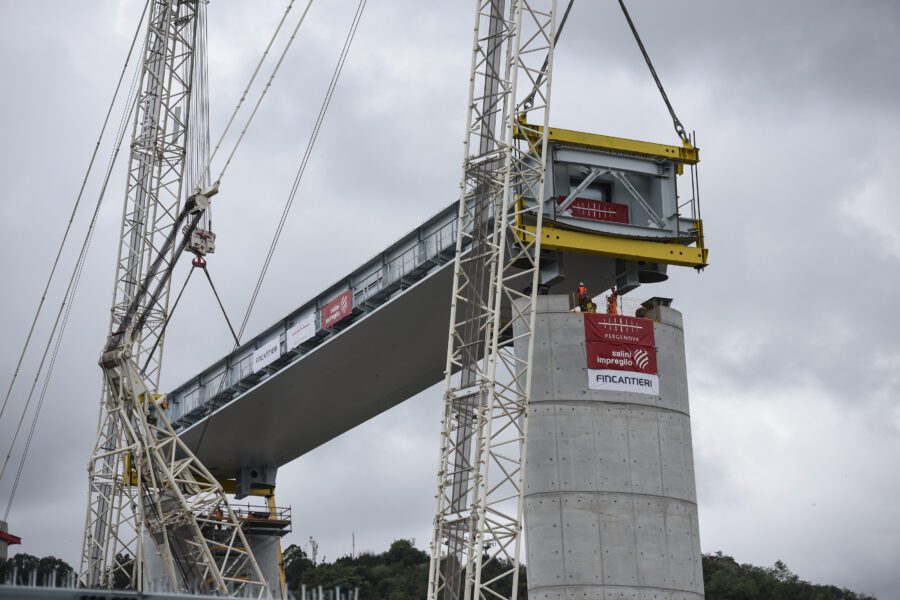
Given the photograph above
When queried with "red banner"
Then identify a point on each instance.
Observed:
(338, 309)
(621, 353)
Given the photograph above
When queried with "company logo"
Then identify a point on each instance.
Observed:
(345, 304)
(641, 358)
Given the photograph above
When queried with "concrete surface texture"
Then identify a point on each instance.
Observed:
(610, 497)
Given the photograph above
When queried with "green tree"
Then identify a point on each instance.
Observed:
(47, 571)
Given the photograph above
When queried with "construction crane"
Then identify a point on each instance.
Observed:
(476, 543)
(148, 494)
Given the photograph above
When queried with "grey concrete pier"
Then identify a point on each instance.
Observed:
(610, 497)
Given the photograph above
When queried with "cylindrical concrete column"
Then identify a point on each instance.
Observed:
(610, 498)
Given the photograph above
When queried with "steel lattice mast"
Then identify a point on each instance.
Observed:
(476, 542)
(148, 494)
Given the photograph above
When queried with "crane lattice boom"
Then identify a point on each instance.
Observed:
(149, 496)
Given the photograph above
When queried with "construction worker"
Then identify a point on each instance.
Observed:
(612, 302)
(583, 298)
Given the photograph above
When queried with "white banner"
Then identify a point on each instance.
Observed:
(266, 354)
(623, 381)
(303, 330)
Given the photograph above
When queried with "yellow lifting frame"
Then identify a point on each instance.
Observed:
(554, 238)
(599, 244)
(686, 154)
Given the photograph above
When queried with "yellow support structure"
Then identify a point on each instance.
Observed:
(685, 154)
(599, 244)
(230, 487)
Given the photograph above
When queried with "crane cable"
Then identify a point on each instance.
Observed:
(65, 236)
(247, 87)
(62, 315)
(304, 161)
(265, 89)
(290, 200)
(237, 341)
(165, 323)
(679, 128)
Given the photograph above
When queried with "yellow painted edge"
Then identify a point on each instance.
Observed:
(685, 154)
(624, 248)
(229, 486)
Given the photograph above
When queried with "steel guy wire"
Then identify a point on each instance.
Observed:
(295, 186)
(305, 160)
(247, 88)
(65, 236)
(68, 299)
(265, 89)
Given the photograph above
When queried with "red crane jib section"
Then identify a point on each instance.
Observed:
(597, 210)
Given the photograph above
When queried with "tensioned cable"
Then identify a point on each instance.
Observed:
(165, 324)
(295, 186)
(237, 342)
(679, 128)
(305, 160)
(249, 84)
(65, 236)
(264, 90)
(68, 298)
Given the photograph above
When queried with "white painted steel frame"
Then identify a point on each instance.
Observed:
(479, 502)
(156, 489)
(156, 166)
(166, 495)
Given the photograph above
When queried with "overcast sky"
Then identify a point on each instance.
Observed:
(792, 332)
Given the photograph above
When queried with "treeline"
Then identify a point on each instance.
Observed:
(401, 573)
(25, 569)
(724, 578)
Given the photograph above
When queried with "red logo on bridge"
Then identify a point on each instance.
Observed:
(338, 309)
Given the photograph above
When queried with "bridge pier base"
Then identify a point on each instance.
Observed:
(610, 497)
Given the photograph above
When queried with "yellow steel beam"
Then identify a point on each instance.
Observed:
(230, 487)
(618, 247)
(685, 154)
(129, 477)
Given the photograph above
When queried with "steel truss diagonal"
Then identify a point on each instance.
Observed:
(147, 486)
(149, 499)
(477, 538)
(156, 165)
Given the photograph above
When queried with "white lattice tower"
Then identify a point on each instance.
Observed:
(145, 485)
(476, 543)
(157, 163)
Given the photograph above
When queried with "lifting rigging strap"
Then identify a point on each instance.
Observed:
(679, 128)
